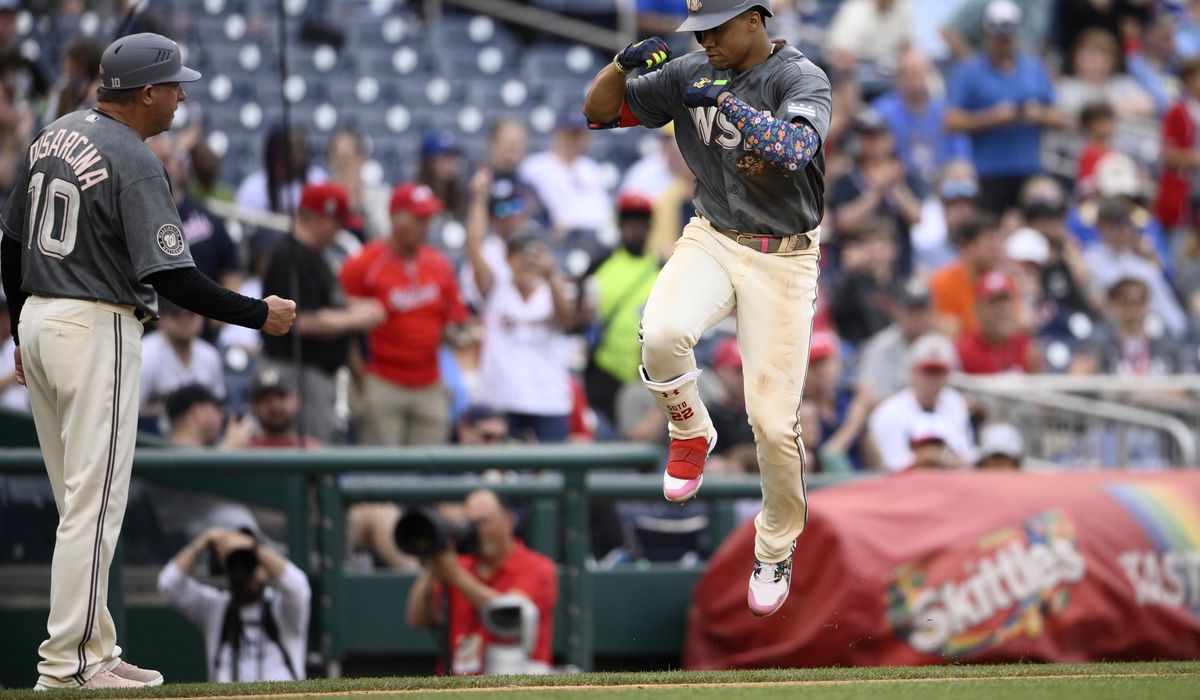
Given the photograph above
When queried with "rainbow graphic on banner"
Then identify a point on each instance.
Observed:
(1170, 519)
(1169, 574)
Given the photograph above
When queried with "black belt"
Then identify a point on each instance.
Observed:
(765, 243)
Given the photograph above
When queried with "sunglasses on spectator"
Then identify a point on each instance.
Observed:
(1042, 209)
(958, 189)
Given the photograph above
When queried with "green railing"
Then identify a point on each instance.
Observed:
(555, 483)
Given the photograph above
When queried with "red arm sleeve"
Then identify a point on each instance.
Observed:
(627, 118)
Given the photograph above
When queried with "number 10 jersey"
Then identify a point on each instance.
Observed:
(93, 210)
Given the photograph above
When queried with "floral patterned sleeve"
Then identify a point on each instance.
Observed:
(785, 145)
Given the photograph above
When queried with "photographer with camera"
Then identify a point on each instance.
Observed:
(258, 629)
(491, 596)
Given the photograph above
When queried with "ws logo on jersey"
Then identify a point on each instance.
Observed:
(713, 126)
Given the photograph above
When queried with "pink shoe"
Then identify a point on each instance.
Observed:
(685, 468)
(142, 675)
(769, 586)
(102, 680)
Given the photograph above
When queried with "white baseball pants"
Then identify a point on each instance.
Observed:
(774, 294)
(82, 363)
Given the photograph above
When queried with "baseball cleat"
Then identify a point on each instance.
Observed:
(685, 468)
(142, 675)
(769, 586)
(102, 680)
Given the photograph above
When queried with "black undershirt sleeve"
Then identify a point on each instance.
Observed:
(189, 288)
(10, 271)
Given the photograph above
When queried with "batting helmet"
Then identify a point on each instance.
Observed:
(143, 59)
(706, 14)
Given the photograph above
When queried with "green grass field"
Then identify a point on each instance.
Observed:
(1131, 681)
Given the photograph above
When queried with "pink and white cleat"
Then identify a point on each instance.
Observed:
(685, 468)
(129, 672)
(769, 586)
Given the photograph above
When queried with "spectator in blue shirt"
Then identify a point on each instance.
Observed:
(660, 18)
(1154, 62)
(1002, 99)
(914, 117)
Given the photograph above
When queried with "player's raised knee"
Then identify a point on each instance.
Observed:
(663, 346)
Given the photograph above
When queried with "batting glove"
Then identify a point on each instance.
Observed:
(703, 92)
(644, 54)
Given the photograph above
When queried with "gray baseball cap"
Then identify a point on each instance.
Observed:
(706, 14)
(143, 59)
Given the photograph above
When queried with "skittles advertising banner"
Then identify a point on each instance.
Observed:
(936, 567)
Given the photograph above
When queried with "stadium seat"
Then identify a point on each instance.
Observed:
(579, 7)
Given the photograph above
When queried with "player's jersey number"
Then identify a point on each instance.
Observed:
(54, 215)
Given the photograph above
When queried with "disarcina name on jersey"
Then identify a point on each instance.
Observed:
(76, 150)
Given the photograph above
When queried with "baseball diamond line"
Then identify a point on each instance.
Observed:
(659, 686)
(96, 546)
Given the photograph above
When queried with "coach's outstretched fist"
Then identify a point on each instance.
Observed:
(280, 315)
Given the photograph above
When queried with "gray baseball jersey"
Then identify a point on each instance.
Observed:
(734, 189)
(93, 209)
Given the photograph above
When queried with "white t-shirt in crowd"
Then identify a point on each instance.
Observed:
(260, 658)
(573, 193)
(495, 252)
(163, 371)
(649, 177)
(231, 335)
(252, 191)
(870, 35)
(524, 363)
(891, 424)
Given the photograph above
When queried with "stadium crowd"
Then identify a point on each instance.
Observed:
(513, 280)
(1021, 203)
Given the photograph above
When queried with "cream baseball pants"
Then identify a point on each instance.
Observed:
(774, 295)
(82, 363)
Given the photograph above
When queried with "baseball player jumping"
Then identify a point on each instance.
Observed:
(750, 117)
(90, 237)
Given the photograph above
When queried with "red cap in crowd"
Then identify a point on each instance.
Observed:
(328, 199)
(728, 354)
(994, 284)
(823, 344)
(634, 203)
(416, 199)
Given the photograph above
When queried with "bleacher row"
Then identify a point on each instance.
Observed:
(394, 78)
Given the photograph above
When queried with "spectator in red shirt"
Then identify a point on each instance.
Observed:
(999, 345)
(1180, 156)
(504, 566)
(1099, 123)
(403, 400)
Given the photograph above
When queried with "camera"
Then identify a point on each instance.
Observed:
(239, 566)
(423, 533)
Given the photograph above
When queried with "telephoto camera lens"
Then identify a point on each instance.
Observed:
(423, 533)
